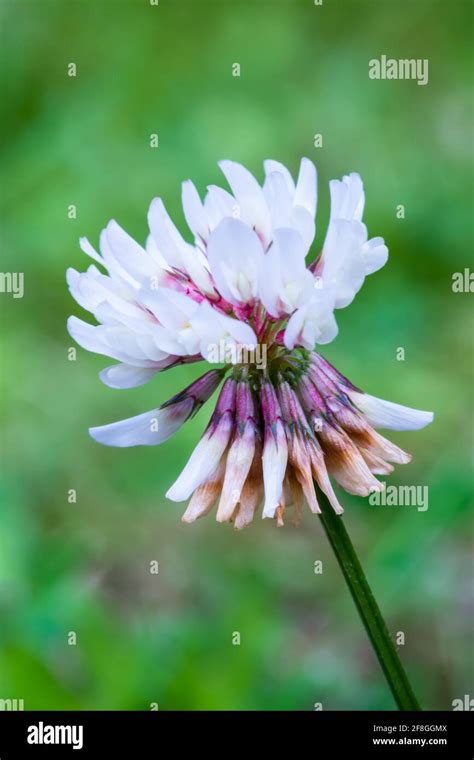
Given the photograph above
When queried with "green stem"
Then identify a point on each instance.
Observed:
(367, 606)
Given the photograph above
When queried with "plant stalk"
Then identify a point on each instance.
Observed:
(367, 607)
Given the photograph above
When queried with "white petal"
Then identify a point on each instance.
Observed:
(374, 254)
(327, 330)
(250, 197)
(240, 331)
(194, 212)
(171, 308)
(386, 414)
(285, 283)
(152, 250)
(238, 462)
(306, 188)
(90, 251)
(90, 337)
(114, 266)
(203, 460)
(165, 234)
(117, 342)
(294, 328)
(129, 254)
(235, 254)
(219, 204)
(275, 166)
(343, 266)
(278, 199)
(147, 429)
(347, 198)
(274, 461)
(270, 282)
(218, 331)
(302, 221)
(126, 376)
(312, 323)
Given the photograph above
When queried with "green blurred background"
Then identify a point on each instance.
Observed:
(84, 567)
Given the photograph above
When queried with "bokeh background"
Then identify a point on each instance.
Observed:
(84, 567)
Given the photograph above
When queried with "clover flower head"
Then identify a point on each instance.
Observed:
(242, 298)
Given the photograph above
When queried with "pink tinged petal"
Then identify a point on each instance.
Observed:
(205, 496)
(306, 187)
(345, 463)
(376, 464)
(386, 414)
(250, 197)
(274, 461)
(210, 448)
(226, 400)
(311, 398)
(295, 497)
(160, 424)
(383, 448)
(201, 390)
(147, 429)
(194, 265)
(252, 492)
(235, 254)
(363, 435)
(301, 443)
(218, 331)
(300, 459)
(275, 450)
(332, 373)
(250, 499)
(239, 461)
(203, 460)
(127, 376)
(194, 211)
(175, 250)
(321, 476)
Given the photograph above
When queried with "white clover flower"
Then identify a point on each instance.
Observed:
(241, 286)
